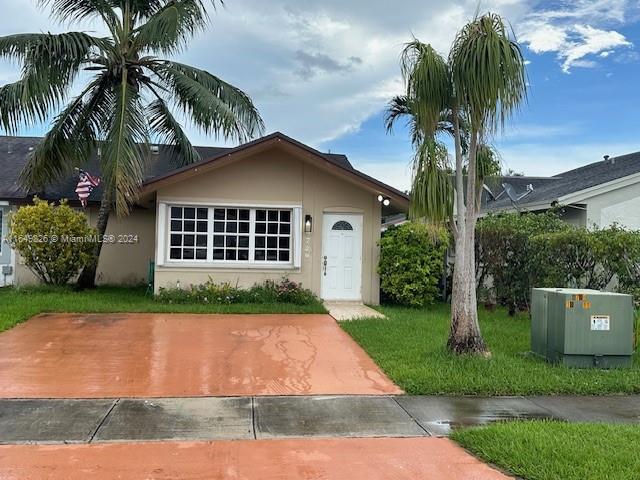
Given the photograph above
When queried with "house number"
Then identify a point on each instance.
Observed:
(307, 246)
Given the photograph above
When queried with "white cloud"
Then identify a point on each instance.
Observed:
(591, 41)
(543, 38)
(575, 31)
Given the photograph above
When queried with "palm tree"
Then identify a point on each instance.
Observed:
(125, 103)
(478, 87)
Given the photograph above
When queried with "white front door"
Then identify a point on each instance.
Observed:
(6, 271)
(342, 257)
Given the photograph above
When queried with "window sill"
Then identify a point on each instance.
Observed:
(226, 266)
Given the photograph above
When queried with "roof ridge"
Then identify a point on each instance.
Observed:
(623, 157)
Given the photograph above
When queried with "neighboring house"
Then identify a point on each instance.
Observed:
(394, 220)
(599, 194)
(266, 209)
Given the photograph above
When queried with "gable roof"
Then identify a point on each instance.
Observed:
(337, 163)
(547, 190)
(14, 152)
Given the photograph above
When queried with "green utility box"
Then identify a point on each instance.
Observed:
(582, 328)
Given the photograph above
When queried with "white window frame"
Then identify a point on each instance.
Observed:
(163, 233)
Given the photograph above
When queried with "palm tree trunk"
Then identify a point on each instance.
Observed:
(458, 225)
(87, 278)
(465, 336)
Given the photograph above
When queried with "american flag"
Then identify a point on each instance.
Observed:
(86, 184)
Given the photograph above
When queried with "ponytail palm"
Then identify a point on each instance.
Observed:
(480, 84)
(129, 98)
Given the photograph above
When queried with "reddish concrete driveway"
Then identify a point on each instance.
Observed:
(171, 355)
(330, 459)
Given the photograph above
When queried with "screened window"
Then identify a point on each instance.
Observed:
(231, 234)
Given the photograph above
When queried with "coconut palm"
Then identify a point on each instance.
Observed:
(482, 82)
(128, 94)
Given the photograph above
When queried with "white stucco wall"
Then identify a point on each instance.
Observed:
(620, 206)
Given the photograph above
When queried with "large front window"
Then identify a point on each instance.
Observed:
(230, 234)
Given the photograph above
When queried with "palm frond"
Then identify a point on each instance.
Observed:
(125, 151)
(71, 138)
(488, 163)
(170, 28)
(50, 64)
(397, 108)
(213, 105)
(145, 9)
(488, 72)
(78, 10)
(428, 84)
(432, 191)
(402, 107)
(169, 130)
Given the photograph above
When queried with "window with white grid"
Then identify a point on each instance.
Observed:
(188, 238)
(273, 235)
(222, 235)
(231, 234)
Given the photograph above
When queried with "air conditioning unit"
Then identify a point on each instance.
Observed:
(582, 328)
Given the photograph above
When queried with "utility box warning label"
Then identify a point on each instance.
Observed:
(600, 322)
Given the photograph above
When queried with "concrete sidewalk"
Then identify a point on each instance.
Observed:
(235, 418)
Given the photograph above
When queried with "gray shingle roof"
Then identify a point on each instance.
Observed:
(14, 152)
(550, 189)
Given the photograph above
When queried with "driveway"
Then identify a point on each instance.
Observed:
(175, 355)
(329, 459)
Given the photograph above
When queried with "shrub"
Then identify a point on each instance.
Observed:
(412, 263)
(54, 241)
(210, 292)
(517, 252)
(505, 255)
(579, 258)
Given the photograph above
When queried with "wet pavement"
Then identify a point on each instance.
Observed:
(175, 355)
(247, 418)
(331, 459)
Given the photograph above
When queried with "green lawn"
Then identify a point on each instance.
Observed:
(17, 305)
(547, 450)
(410, 348)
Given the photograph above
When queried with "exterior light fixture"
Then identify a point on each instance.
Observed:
(308, 224)
(386, 202)
(380, 198)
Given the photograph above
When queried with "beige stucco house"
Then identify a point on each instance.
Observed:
(268, 209)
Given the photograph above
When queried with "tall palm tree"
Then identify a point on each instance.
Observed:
(126, 102)
(480, 84)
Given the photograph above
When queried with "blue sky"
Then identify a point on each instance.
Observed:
(323, 70)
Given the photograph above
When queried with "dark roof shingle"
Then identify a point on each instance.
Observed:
(14, 152)
(550, 189)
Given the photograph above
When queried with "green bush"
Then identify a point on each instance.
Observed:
(505, 255)
(54, 241)
(579, 258)
(412, 263)
(210, 292)
(516, 252)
